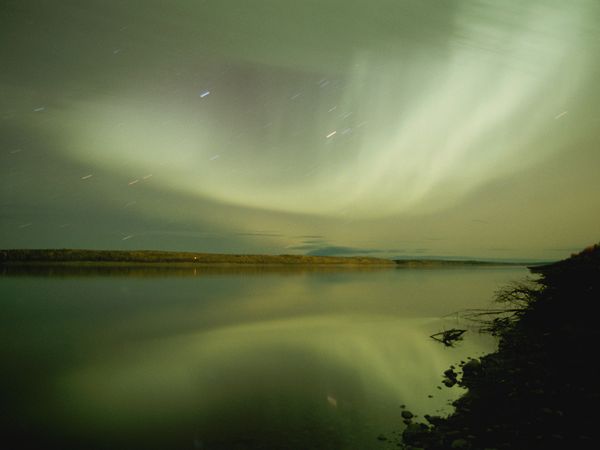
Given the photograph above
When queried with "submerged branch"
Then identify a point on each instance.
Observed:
(449, 337)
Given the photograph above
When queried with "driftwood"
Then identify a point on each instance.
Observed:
(448, 337)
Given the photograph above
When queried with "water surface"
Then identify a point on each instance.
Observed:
(230, 359)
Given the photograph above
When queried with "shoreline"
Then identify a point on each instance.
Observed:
(152, 258)
(539, 390)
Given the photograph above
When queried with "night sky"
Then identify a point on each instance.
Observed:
(387, 128)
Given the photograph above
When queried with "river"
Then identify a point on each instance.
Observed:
(231, 358)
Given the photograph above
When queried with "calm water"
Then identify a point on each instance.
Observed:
(230, 359)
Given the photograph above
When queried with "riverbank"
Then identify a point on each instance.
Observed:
(540, 390)
(167, 259)
(122, 257)
(458, 263)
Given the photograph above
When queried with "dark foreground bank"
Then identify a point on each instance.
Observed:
(540, 390)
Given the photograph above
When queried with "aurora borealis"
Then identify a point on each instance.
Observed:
(391, 128)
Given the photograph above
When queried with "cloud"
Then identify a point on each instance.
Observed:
(310, 236)
(343, 251)
(260, 234)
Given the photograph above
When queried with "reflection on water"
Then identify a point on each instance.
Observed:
(305, 359)
(152, 270)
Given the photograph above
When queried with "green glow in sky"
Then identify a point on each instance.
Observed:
(391, 128)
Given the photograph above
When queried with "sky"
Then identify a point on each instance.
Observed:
(392, 128)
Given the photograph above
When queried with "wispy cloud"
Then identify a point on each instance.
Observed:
(260, 234)
(341, 251)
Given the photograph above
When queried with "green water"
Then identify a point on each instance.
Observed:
(230, 359)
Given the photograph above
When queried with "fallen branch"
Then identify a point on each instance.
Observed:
(448, 337)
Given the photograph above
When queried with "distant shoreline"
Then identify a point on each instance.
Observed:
(439, 263)
(152, 258)
(164, 258)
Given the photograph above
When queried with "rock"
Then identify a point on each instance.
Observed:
(450, 373)
(434, 420)
(448, 382)
(407, 414)
(471, 368)
(413, 432)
